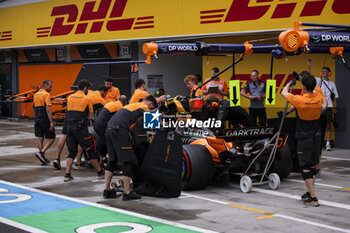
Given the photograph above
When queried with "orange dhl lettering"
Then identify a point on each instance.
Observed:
(68, 20)
(7, 35)
(242, 10)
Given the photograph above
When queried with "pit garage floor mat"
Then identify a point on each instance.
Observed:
(34, 210)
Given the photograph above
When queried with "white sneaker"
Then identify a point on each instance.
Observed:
(328, 147)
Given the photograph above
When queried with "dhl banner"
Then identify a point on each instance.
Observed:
(66, 21)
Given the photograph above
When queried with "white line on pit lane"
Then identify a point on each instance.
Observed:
(320, 184)
(297, 197)
(278, 215)
(335, 158)
(21, 226)
(16, 135)
(16, 150)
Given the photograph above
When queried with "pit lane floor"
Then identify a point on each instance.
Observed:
(219, 208)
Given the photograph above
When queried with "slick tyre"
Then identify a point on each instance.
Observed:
(197, 167)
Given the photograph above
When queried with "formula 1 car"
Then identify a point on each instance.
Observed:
(259, 154)
(244, 152)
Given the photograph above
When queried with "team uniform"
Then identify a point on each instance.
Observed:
(42, 122)
(124, 132)
(113, 94)
(257, 107)
(309, 107)
(198, 93)
(78, 108)
(101, 121)
(220, 84)
(138, 96)
(96, 99)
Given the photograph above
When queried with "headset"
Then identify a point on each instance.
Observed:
(329, 73)
(259, 75)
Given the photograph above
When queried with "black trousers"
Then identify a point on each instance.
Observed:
(256, 113)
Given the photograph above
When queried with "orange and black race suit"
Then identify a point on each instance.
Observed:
(138, 96)
(309, 107)
(113, 94)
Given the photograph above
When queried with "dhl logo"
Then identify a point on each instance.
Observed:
(68, 20)
(281, 81)
(7, 35)
(242, 10)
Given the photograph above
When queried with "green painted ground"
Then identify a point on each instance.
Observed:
(69, 220)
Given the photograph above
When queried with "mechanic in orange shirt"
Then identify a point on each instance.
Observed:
(96, 98)
(79, 113)
(43, 120)
(191, 83)
(140, 93)
(113, 93)
(308, 135)
(217, 87)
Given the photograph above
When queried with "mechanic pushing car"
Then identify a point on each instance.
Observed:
(124, 133)
(97, 97)
(43, 120)
(309, 107)
(101, 121)
(79, 113)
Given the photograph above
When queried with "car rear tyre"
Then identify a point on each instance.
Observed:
(197, 167)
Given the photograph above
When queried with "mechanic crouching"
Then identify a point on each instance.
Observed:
(124, 130)
(221, 110)
(309, 107)
(79, 113)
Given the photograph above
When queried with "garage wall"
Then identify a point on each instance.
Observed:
(174, 68)
(63, 77)
(342, 133)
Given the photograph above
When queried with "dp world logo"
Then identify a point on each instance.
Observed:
(151, 120)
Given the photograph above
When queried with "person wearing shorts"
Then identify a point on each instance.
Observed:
(43, 127)
(121, 137)
(308, 135)
(79, 113)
